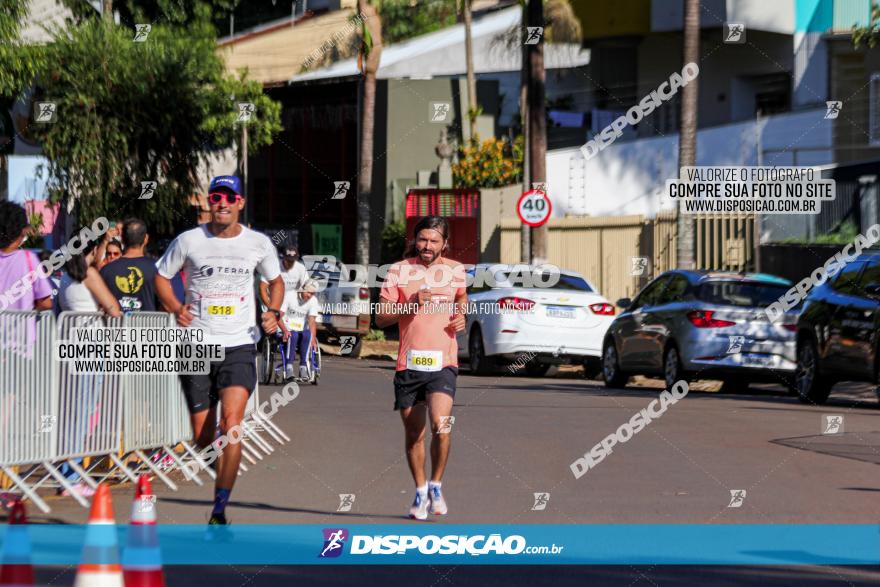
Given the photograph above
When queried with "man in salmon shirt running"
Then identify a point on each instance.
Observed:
(426, 294)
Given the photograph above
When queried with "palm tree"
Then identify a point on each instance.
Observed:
(368, 59)
(687, 137)
(562, 26)
(469, 65)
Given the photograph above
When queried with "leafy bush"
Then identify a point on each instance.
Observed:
(375, 335)
(393, 242)
(490, 164)
(845, 233)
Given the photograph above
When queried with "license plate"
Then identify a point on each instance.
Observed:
(345, 322)
(560, 312)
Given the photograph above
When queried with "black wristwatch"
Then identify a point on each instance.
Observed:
(276, 312)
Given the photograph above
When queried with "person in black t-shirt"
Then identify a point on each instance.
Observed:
(130, 277)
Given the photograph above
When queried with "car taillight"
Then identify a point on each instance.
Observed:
(790, 327)
(602, 309)
(704, 319)
(515, 303)
(364, 293)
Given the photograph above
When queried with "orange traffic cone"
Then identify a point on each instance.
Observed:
(142, 559)
(100, 566)
(15, 562)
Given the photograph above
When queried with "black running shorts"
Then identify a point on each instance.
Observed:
(411, 387)
(238, 368)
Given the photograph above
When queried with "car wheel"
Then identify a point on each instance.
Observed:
(535, 369)
(611, 372)
(672, 369)
(479, 362)
(810, 386)
(592, 368)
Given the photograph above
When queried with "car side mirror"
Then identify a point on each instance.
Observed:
(624, 303)
(872, 290)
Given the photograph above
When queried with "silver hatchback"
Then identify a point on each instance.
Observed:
(699, 325)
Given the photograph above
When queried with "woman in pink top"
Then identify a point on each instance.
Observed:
(425, 294)
(16, 263)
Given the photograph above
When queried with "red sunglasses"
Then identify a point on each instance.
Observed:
(217, 197)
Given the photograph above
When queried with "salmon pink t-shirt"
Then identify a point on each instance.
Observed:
(429, 329)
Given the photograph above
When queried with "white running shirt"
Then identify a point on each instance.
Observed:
(294, 280)
(297, 312)
(220, 280)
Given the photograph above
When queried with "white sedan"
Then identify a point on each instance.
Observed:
(530, 318)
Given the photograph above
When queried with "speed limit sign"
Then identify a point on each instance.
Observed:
(534, 208)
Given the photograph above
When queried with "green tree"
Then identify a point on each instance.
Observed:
(20, 61)
(868, 35)
(129, 112)
(404, 19)
(687, 136)
(19, 65)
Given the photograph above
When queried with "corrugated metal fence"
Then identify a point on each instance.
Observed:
(606, 250)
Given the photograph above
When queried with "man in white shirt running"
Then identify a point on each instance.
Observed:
(219, 259)
(293, 272)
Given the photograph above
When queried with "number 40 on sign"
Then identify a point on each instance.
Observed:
(534, 208)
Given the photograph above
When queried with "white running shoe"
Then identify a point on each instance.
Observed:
(303, 372)
(288, 372)
(419, 508)
(438, 504)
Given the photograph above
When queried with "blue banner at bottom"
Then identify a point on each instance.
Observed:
(670, 544)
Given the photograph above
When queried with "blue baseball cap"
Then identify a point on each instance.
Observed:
(230, 182)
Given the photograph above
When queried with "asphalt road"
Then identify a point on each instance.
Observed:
(514, 436)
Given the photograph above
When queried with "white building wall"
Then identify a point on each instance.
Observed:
(768, 15)
(629, 177)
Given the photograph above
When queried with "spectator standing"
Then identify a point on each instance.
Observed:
(82, 289)
(130, 278)
(16, 262)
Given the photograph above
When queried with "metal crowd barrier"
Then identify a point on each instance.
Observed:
(28, 395)
(154, 411)
(89, 408)
(52, 418)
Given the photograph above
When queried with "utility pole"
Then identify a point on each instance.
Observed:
(525, 233)
(537, 134)
(760, 162)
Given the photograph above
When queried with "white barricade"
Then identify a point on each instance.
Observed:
(90, 404)
(152, 406)
(28, 394)
(52, 416)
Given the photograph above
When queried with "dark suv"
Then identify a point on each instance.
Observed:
(837, 330)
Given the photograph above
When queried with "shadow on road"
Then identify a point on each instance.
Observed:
(204, 503)
(861, 446)
(847, 397)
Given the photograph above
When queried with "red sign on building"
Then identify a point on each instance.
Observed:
(460, 207)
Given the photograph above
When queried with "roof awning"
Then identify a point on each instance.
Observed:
(441, 53)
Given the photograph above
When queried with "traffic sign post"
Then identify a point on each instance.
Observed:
(534, 208)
